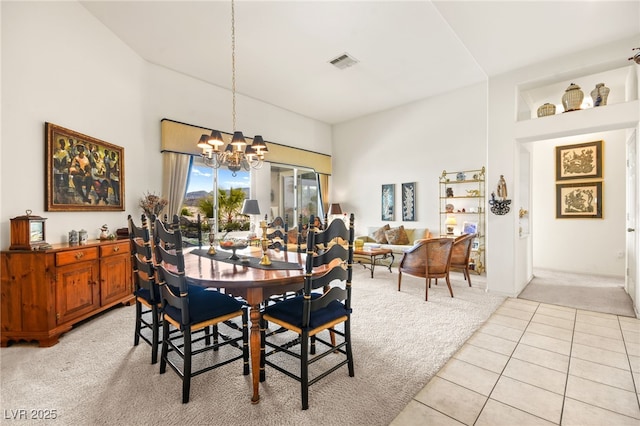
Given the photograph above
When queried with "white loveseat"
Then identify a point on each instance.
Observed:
(378, 237)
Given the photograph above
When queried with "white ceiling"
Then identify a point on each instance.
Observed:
(407, 50)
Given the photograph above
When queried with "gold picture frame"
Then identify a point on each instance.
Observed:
(82, 173)
(579, 200)
(579, 161)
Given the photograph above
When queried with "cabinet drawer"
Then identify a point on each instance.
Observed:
(74, 256)
(114, 249)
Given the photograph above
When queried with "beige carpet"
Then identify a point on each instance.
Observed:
(580, 291)
(95, 376)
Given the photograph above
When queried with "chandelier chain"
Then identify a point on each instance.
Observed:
(233, 64)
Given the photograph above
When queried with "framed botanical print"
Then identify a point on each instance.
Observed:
(579, 200)
(83, 173)
(409, 201)
(580, 161)
(388, 194)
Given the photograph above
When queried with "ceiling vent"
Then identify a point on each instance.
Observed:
(343, 61)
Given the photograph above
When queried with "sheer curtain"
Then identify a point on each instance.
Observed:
(323, 184)
(174, 179)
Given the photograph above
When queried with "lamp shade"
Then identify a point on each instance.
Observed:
(451, 221)
(335, 209)
(250, 207)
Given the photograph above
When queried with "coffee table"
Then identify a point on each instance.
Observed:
(376, 256)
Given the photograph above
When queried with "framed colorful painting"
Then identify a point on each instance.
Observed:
(82, 173)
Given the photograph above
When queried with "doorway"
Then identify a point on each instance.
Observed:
(571, 251)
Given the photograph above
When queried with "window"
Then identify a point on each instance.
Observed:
(294, 192)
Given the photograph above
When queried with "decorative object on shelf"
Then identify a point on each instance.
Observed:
(409, 201)
(152, 204)
(28, 232)
(473, 192)
(83, 236)
(469, 227)
(237, 155)
(579, 200)
(572, 98)
(460, 176)
(83, 173)
(600, 95)
(636, 56)
(450, 223)
(449, 208)
(579, 161)
(104, 232)
(388, 193)
(546, 109)
(502, 188)
(499, 207)
(449, 192)
(73, 237)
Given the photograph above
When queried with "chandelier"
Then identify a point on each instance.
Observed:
(238, 154)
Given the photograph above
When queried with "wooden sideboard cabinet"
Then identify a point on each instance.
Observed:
(45, 292)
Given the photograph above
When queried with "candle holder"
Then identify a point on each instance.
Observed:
(212, 237)
(265, 244)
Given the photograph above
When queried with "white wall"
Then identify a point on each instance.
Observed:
(590, 246)
(61, 65)
(504, 247)
(411, 143)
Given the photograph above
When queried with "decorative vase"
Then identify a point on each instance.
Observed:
(599, 95)
(572, 98)
(546, 109)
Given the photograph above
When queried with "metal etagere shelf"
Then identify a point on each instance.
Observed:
(463, 209)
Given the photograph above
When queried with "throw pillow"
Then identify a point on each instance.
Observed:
(397, 236)
(292, 237)
(379, 235)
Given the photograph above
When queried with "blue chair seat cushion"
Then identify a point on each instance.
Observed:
(290, 311)
(205, 305)
(145, 294)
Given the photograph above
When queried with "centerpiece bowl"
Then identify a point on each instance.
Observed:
(233, 245)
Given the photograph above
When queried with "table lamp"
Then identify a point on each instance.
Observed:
(450, 223)
(335, 209)
(250, 207)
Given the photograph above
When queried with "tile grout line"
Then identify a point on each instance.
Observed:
(504, 368)
(633, 379)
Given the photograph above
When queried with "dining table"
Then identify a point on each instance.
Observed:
(248, 279)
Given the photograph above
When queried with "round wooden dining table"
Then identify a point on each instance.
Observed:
(253, 284)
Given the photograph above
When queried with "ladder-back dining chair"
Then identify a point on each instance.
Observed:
(188, 311)
(324, 304)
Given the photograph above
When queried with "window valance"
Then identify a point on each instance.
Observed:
(182, 138)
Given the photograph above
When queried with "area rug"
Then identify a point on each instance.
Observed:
(580, 291)
(95, 376)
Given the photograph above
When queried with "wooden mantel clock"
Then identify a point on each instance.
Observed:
(27, 232)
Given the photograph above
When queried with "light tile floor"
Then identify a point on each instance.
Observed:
(537, 364)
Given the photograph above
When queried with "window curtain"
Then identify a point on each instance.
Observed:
(323, 184)
(175, 177)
